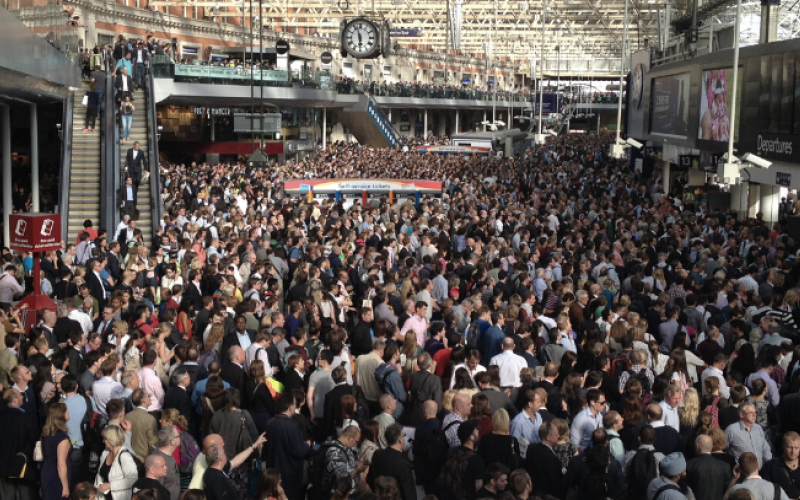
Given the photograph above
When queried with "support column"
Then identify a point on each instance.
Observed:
(324, 128)
(769, 21)
(665, 172)
(753, 200)
(425, 125)
(739, 193)
(770, 203)
(213, 128)
(91, 32)
(34, 160)
(484, 120)
(5, 126)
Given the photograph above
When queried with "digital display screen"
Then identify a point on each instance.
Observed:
(669, 113)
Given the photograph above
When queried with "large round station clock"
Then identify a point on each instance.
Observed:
(361, 38)
(637, 86)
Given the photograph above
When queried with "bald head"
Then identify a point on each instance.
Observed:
(508, 344)
(212, 439)
(430, 408)
(704, 444)
(461, 404)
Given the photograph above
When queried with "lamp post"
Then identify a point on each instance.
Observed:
(730, 170)
(539, 138)
(618, 148)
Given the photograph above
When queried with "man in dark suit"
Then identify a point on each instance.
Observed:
(242, 337)
(21, 440)
(544, 466)
(105, 323)
(668, 440)
(64, 325)
(96, 288)
(424, 386)
(423, 465)
(193, 294)
(134, 162)
(75, 354)
(708, 477)
(554, 399)
(123, 83)
(233, 371)
(391, 462)
(112, 260)
(126, 195)
(287, 450)
(333, 400)
(177, 396)
(196, 372)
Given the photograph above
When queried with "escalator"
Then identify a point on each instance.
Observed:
(367, 123)
(82, 186)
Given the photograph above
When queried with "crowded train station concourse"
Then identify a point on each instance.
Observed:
(429, 250)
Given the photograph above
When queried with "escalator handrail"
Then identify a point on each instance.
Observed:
(152, 142)
(66, 163)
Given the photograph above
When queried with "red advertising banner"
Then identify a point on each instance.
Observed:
(35, 232)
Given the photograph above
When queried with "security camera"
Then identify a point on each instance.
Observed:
(633, 142)
(756, 161)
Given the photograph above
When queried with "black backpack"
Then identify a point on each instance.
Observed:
(119, 51)
(435, 450)
(92, 427)
(139, 464)
(473, 336)
(642, 470)
(641, 376)
(450, 484)
(316, 474)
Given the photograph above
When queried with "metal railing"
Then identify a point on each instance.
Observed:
(52, 20)
(66, 161)
(152, 141)
(110, 168)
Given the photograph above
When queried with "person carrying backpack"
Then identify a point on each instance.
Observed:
(642, 465)
(666, 487)
(637, 370)
(462, 474)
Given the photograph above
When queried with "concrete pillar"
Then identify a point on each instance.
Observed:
(91, 32)
(739, 199)
(5, 129)
(425, 124)
(213, 128)
(484, 120)
(442, 128)
(754, 200)
(770, 202)
(665, 170)
(455, 129)
(34, 160)
(324, 128)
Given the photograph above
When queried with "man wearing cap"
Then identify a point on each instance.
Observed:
(672, 469)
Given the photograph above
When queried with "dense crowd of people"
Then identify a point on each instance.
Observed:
(553, 326)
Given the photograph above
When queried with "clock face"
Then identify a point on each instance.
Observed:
(361, 37)
(637, 86)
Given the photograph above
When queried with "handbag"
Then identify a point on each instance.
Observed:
(38, 456)
(244, 441)
(85, 101)
(255, 476)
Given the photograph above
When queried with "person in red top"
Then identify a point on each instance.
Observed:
(442, 356)
(141, 323)
(87, 228)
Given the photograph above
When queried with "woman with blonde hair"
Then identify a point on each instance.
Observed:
(499, 445)
(117, 471)
(688, 413)
(719, 445)
(57, 467)
(614, 339)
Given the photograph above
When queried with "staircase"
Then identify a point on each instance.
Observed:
(84, 179)
(139, 133)
(367, 123)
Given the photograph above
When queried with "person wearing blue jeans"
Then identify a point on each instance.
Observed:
(126, 109)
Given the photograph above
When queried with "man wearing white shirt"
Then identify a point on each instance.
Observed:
(565, 327)
(716, 370)
(258, 350)
(471, 364)
(80, 316)
(670, 407)
(510, 365)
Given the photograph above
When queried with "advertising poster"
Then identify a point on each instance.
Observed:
(670, 110)
(716, 87)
